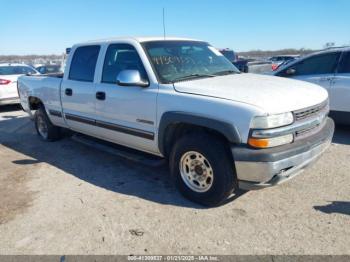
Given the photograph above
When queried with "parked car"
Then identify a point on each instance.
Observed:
(180, 99)
(330, 69)
(277, 61)
(239, 63)
(260, 66)
(9, 74)
(242, 65)
(48, 69)
(229, 54)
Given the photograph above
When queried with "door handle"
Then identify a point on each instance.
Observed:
(101, 95)
(68, 92)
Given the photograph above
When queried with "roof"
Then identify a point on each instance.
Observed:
(330, 50)
(336, 48)
(12, 64)
(140, 39)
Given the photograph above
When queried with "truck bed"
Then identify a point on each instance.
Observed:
(44, 87)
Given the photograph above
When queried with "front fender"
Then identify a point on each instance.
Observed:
(226, 129)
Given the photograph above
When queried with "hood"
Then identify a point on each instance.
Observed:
(270, 93)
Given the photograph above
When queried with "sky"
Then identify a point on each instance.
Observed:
(48, 27)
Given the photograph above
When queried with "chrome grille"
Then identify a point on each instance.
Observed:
(309, 115)
(310, 112)
(308, 131)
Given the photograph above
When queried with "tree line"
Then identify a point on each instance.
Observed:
(267, 53)
(253, 53)
(10, 58)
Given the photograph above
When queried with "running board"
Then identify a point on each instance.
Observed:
(120, 151)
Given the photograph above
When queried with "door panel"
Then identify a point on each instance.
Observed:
(340, 93)
(340, 90)
(127, 115)
(79, 104)
(323, 80)
(78, 91)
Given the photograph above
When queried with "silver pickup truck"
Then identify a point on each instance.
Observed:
(183, 100)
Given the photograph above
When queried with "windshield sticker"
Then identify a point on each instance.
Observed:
(215, 51)
(166, 60)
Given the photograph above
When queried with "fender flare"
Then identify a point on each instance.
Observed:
(229, 131)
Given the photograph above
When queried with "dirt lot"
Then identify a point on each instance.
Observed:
(69, 198)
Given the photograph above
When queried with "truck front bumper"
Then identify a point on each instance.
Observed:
(258, 168)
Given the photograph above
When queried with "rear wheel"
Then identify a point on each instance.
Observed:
(45, 129)
(202, 169)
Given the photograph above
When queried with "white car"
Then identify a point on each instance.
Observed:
(9, 74)
(182, 100)
(330, 69)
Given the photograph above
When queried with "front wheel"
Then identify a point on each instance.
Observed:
(202, 169)
(45, 129)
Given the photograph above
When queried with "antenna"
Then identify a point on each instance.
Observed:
(164, 23)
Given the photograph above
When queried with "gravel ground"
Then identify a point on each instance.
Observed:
(69, 198)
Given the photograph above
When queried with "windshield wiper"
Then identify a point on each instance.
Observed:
(227, 72)
(191, 76)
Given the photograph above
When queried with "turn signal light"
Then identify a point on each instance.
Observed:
(261, 143)
(270, 142)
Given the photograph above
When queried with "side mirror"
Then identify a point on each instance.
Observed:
(290, 71)
(131, 78)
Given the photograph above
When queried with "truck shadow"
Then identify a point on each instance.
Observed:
(96, 167)
(342, 135)
(10, 108)
(339, 207)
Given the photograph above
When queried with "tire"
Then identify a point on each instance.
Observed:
(45, 129)
(214, 180)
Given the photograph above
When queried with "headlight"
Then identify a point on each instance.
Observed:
(272, 121)
(269, 122)
(270, 142)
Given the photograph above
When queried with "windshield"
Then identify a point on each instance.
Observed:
(183, 60)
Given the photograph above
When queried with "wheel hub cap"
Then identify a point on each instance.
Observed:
(199, 170)
(196, 171)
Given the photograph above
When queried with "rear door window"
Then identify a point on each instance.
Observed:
(344, 66)
(317, 65)
(84, 63)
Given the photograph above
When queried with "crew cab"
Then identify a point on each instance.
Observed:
(181, 99)
(330, 69)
